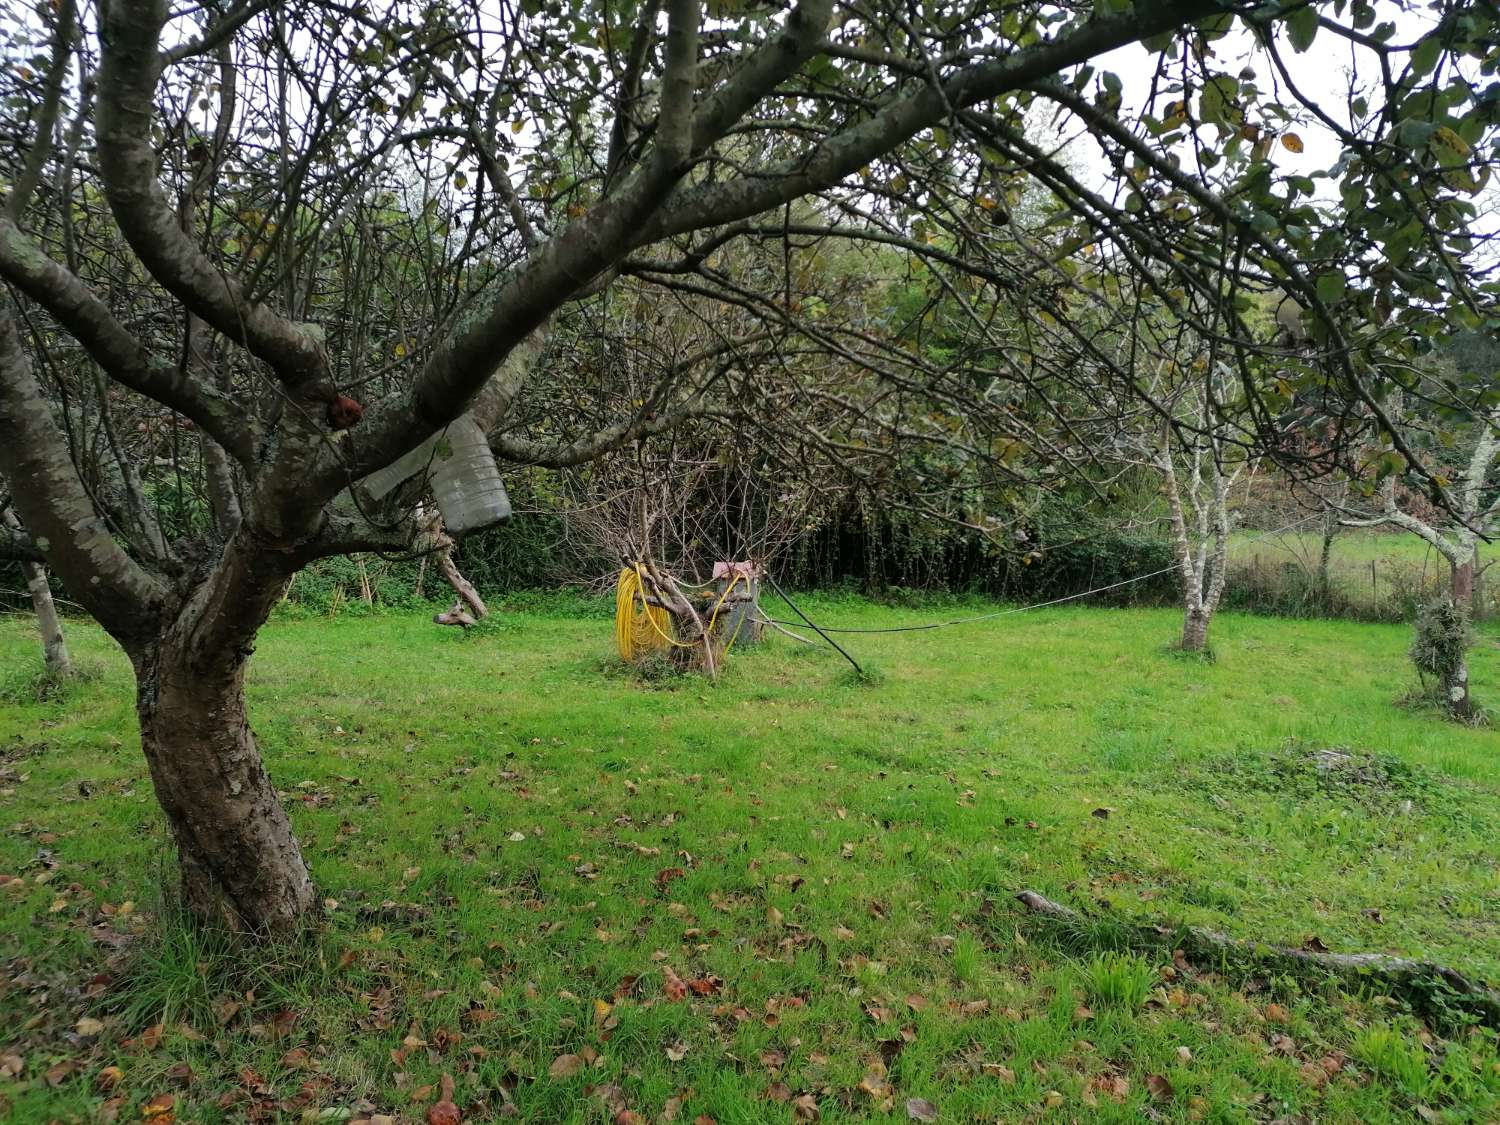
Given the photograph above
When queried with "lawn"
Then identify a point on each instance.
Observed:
(587, 895)
(1365, 566)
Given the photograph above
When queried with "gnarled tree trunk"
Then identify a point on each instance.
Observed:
(239, 859)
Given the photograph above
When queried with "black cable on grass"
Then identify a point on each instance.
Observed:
(813, 625)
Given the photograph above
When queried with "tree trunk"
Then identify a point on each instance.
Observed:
(1456, 681)
(1325, 560)
(240, 862)
(1462, 588)
(54, 646)
(1195, 630)
(1456, 693)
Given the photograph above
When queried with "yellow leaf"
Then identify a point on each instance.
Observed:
(1446, 137)
(1291, 142)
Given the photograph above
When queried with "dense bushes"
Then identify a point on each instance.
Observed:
(1059, 551)
(1053, 554)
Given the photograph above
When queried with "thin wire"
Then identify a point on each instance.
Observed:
(1023, 608)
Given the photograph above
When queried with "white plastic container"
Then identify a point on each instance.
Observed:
(464, 476)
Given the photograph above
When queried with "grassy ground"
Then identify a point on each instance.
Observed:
(584, 895)
(1352, 547)
(1366, 567)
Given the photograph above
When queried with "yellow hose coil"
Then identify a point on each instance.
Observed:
(639, 626)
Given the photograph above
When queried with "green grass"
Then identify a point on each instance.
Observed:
(1399, 558)
(1351, 547)
(522, 845)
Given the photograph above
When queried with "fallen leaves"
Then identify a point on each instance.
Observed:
(920, 1109)
(565, 1066)
(1113, 1086)
(444, 1111)
(875, 1086)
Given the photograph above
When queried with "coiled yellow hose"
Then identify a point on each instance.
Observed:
(640, 626)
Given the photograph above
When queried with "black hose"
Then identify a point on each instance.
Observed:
(813, 625)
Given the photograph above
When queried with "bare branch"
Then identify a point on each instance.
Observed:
(127, 161)
(57, 510)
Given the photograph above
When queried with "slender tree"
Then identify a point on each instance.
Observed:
(56, 660)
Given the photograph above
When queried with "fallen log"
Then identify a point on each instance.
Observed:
(1425, 985)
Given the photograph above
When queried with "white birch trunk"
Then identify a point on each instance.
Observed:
(54, 646)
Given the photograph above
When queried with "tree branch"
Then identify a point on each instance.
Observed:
(218, 33)
(525, 452)
(846, 152)
(41, 148)
(56, 509)
(123, 358)
(128, 74)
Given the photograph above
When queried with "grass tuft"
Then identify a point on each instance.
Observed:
(1118, 979)
(42, 685)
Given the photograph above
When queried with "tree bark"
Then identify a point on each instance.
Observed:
(1456, 681)
(54, 644)
(1195, 630)
(1325, 558)
(467, 594)
(240, 862)
(1463, 584)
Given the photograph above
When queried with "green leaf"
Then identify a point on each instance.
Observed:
(1425, 57)
(1218, 106)
(1331, 287)
(1302, 28)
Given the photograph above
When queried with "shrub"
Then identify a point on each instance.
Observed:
(1443, 638)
